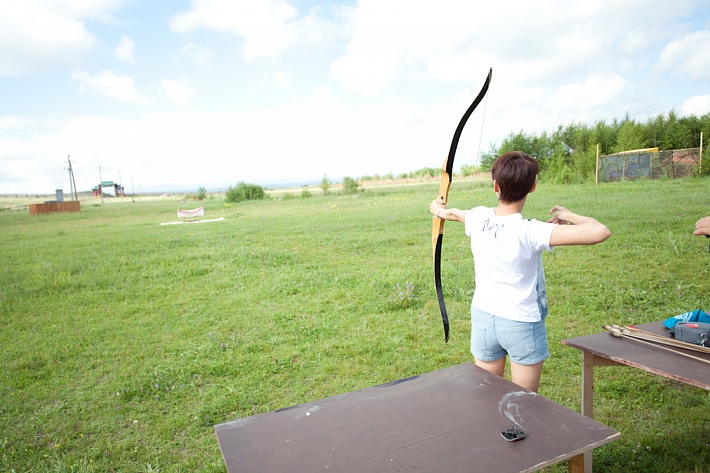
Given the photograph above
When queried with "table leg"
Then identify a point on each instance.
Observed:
(587, 400)
(588, 363)
(577, 464)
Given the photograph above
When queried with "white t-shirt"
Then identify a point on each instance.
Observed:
(506, 252)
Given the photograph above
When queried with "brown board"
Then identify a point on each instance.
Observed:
(449, 420)
(51, 207)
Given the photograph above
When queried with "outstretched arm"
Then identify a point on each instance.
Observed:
(440, 210)
(573, 229)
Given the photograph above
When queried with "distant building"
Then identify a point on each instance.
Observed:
(118, 189)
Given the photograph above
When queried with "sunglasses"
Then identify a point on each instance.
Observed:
(513, 434)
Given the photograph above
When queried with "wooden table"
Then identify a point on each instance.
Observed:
(601, 349)
(449, 420)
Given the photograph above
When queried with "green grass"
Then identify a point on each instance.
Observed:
(123, 342)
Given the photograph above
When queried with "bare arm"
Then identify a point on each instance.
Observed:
(440, 210)
(573, 229)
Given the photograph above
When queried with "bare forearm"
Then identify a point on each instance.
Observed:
(575, 229)
(451, 214)
(440, 211)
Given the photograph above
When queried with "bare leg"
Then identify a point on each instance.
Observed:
(497, 367)
(527, 376)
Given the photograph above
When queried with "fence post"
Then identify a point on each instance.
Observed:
(596, 172)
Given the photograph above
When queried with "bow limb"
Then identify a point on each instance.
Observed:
(437, 232)
(437, 239)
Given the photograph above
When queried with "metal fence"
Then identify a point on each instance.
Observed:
(650, 164)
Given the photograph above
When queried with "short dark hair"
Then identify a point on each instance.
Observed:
(515, 172)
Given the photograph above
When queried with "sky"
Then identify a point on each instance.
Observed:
(163, 95)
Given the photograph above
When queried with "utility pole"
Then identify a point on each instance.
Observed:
(71, 187)
(101, 189)
(72, 183)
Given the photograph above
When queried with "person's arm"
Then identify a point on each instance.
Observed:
(702, 227)
(439, 210)
(573, 229)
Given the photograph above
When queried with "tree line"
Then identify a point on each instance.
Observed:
(568, 154)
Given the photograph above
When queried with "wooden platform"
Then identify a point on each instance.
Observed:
(448, 420)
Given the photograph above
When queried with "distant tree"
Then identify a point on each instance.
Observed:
(243, 192)
(569, 153)
(325, 185)
(605, 136)
(677, 133)
(201, 193)
(469, 169)
(488, 158)
(654, 131)
(350, 185)
(630, 136)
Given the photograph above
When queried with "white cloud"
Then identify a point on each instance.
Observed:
(468, 66)
(688, 55)
(14, 122)
(199, 54)
(176, 91)
(281, 78)
(261, 24)
(109, 84)
(698, 105)
(457, 39)
(37, 35)
(125, 50)
(596, 91)
(388, 36)
(268, 27)
(363, 73)
(101, 10)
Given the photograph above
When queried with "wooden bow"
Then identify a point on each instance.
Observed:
(437, 228)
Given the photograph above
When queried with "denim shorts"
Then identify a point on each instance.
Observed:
(492, 338)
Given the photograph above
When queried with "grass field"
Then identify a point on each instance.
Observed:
(123, 342)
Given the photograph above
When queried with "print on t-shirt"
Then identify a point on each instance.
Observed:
(491, 227)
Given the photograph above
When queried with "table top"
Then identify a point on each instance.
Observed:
(449, 420)
(648, 358)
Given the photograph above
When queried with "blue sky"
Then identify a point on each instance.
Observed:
(168, 94)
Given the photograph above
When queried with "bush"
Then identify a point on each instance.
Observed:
(325, 185)
(350, 185)
(469, 169)
(426, 172)
(244, 192)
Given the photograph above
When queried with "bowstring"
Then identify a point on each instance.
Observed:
(480, 136)
(465, 242)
